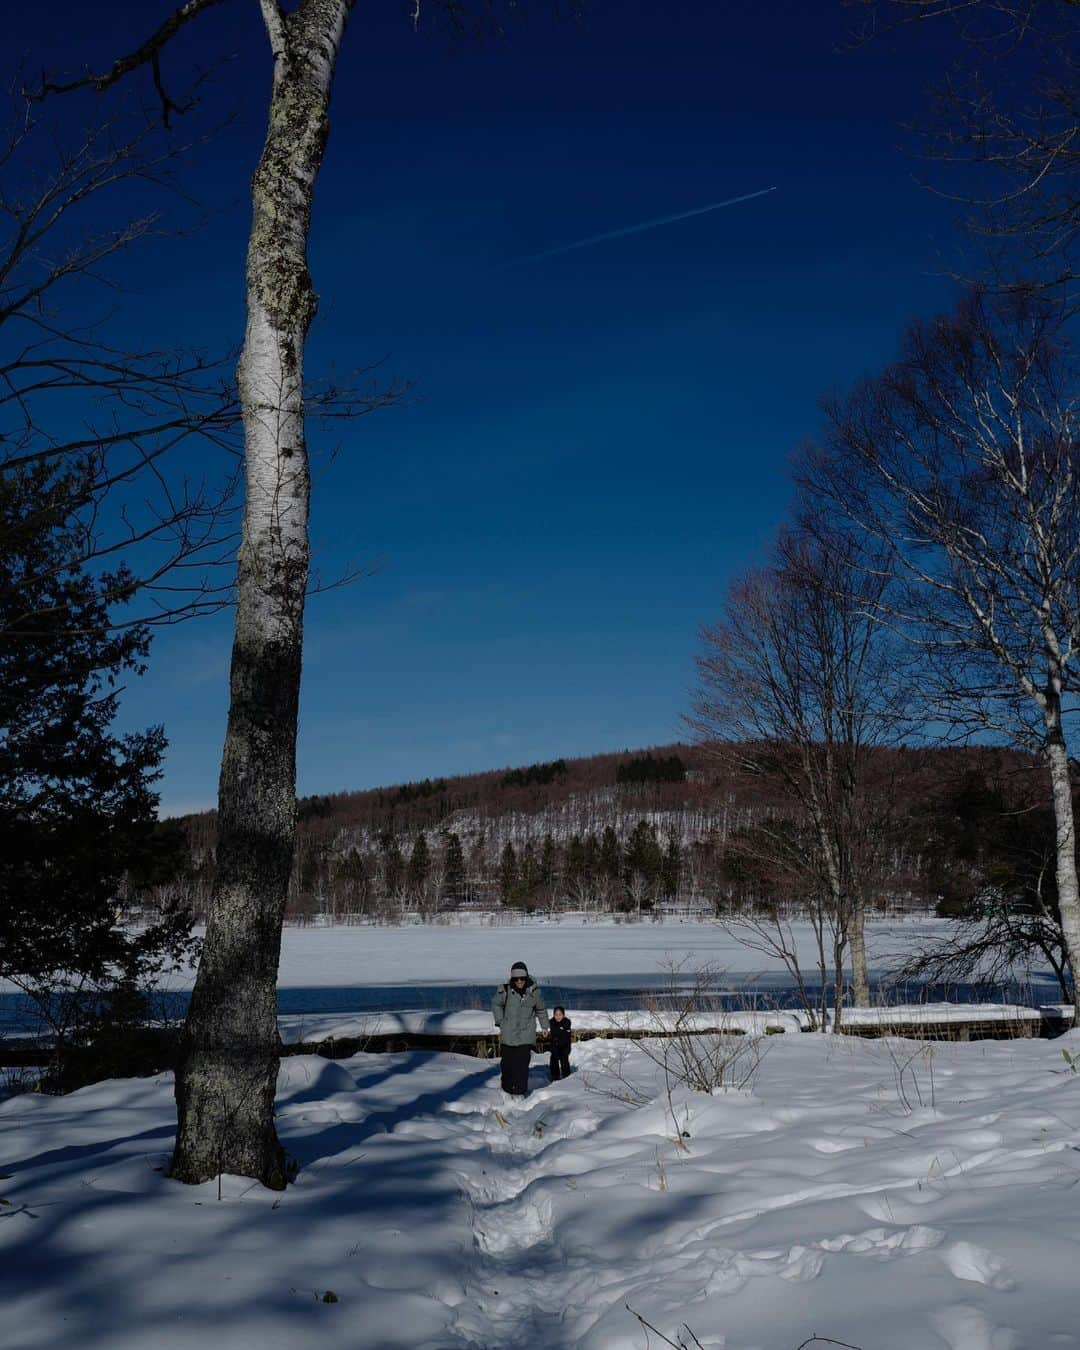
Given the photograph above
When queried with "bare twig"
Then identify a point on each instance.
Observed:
(148, 53)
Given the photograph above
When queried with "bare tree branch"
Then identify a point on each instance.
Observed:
(1004, 124)
(147, 53)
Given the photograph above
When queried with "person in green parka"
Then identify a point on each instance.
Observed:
(517, 1005)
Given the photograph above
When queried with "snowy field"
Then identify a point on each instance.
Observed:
(891, 1195)
(438, 954)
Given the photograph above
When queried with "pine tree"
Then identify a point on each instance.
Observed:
(419, 865)
(352, 868)
(478, 859)
(610, 860)
(508, 874)
(393, 865)
(77, 801)
(351, 874)
(643, 855)
(591, 852)
(454, 877)
(672, 869)
(529, 870)
(309, 868)
(548, 856)
(575, 859)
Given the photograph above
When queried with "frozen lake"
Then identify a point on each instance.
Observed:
(603, 966)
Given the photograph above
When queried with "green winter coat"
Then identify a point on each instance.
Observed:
(514, 1013)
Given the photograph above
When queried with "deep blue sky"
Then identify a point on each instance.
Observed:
(596, 442)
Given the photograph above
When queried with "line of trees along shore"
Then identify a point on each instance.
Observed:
(964, 833)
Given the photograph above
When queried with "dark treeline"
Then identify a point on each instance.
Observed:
(958, 831)
(426, 805)
(652, 769)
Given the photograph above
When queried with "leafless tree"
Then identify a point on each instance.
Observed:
(116, 428)
(697, 1042)
(993, 949)
(797, 684)
(961, 461)
(228, 1072)
(1004, 128)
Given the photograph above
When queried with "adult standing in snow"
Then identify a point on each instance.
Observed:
(517, 1005)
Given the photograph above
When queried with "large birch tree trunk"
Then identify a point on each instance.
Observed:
(228, 1073)
(860, 975)
(1068, 890)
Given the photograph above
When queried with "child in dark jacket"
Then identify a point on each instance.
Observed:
(560, 1044)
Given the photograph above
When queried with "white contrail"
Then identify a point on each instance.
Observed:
(632, 229)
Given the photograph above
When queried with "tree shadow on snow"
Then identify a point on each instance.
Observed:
(77, 1153)
(336, 1138)
(100, 1263)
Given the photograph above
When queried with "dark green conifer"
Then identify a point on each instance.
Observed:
(419, 865)
(78, 803)
(610, 860)
(508, 874)
(454, 878)
(575, 859)
(393, 865)
(672, 869)
(529, 870)
(643, 854)
(548, 856)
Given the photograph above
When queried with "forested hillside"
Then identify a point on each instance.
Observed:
(674, 826)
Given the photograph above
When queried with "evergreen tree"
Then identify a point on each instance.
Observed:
(529, 870)
(419, 865)
(575, 859)
(643, 854)
(77, 801)
(672, 869)
(591, 850)
(548, 855)
(393, 864)
(454, 878)
(535, 774)
(308, 867)
(508, 874)
(647, 769)
(351, 873)
(478, 859)
(610, 860)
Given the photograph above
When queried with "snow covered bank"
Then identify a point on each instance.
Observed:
(300, 1027)
(423, 1022)
(895, 1203)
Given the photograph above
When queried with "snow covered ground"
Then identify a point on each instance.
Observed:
(889, 1194)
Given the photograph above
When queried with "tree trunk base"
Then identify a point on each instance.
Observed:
(225, 1120)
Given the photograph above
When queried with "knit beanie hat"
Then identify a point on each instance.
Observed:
(519, 968)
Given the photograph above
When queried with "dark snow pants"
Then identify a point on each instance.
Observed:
(515, 1068)
(560, 1063)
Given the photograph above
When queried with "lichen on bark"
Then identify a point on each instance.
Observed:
(227, 1074)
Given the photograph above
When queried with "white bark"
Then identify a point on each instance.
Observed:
(226, 1080)
(860, 976)
(1065, 844)
(961, 459)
